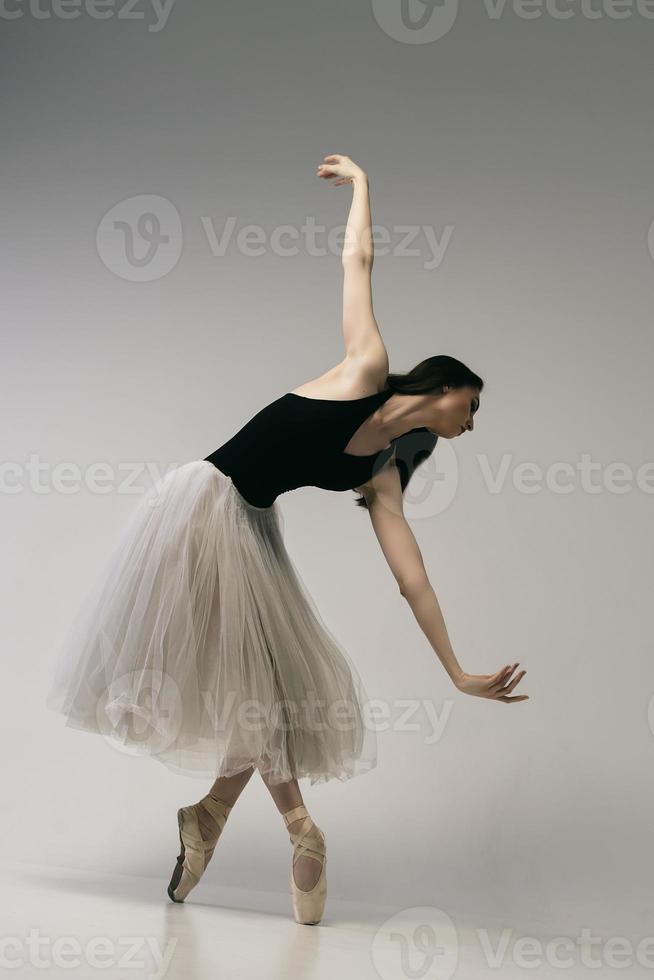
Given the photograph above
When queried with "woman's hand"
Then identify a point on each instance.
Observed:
(497, 686)
(337, 165)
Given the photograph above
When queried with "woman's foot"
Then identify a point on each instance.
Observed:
(200, 825)
(306, 870)
(309, 868)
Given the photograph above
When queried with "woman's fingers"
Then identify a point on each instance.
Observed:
(509, 687)
(500, 678)
(330, 175)
(336, 164)
(503, 694)
(495, 687)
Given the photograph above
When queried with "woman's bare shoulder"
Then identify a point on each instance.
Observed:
(352, 378)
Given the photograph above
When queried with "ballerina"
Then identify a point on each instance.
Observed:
(200, 644)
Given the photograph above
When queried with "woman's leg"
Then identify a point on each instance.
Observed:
(229, 788)
(208, 816)
(287, 796)
(226, 789)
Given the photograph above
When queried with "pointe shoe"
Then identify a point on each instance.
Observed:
(308, 906)
(196, 851)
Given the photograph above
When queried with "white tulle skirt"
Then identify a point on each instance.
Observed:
(201, 646)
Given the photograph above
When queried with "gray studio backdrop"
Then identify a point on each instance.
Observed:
(171, 264)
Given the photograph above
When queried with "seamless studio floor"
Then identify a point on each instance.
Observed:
(63, 922)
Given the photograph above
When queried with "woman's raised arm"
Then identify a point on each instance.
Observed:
(361, 333)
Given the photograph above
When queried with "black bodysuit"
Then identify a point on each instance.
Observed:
(297, 441)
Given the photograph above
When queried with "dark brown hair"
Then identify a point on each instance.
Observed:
(429, 377)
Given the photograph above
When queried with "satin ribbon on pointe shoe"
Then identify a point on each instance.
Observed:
(308, 906)
(196, 851)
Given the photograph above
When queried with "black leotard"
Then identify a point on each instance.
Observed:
(297, 441)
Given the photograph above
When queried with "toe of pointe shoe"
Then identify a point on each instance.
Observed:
(309, 906)
(181, 882)
(171, 890)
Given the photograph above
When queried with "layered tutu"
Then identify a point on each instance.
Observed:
(201, 646)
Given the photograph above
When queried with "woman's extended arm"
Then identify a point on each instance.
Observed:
(400, 548)
(384, 499)
(360, 329)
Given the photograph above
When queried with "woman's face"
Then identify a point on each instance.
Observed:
(453, 411)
